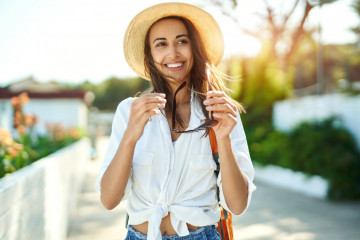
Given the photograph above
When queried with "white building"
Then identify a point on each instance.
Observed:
(48, 101)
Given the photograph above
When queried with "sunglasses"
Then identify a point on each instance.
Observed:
(208, 124)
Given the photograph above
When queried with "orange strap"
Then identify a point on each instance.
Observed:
(213, 141)
(224, 227)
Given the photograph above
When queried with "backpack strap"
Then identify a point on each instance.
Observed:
(214, 150)
(215, 153)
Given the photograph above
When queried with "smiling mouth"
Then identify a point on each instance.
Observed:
(174, 66)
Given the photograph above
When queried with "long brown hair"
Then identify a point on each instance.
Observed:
(197, 75)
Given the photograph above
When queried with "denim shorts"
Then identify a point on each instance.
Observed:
(202, 233)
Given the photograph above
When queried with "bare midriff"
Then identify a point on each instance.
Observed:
(166, 228)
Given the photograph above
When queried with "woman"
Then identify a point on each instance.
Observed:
(155, 160)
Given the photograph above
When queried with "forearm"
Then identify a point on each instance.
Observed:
(117, 174)
(234, 182)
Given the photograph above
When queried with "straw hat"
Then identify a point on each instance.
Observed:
(206, 25)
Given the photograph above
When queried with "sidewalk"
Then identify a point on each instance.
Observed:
(274, 214)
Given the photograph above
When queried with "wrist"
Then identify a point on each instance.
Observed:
(226, 139)
(129, 138)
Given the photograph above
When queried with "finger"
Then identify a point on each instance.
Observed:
(152, 112)
(211, 94)
(224, 116)
(148, 98)
(150, 106)
(221, 100)
(218, 100)
(145, 100)
(146, 109)
(143, 118)
(226, 108)
(153, 97)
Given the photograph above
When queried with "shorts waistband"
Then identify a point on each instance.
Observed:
(192, 233)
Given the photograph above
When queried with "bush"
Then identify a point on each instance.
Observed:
(27, 147)
(316, 148)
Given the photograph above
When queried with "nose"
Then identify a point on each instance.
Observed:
(173, 52)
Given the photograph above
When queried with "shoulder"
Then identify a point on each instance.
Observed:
(125, 104)
(123, 108)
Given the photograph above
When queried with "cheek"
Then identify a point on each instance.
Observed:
(189, 56)
(156, 57)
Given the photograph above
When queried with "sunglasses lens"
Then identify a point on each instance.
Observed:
(210, 123)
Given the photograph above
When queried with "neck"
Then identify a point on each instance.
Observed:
(184, 95)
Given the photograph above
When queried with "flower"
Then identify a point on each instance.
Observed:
(13, 153)
(17, 146)
(30, 120)
(17, 118)
(21, 130)
(74, 133)
(11, 147)
(24, 98)
(5, 137)
(15, 102)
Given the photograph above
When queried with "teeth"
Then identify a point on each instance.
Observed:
(174, 65)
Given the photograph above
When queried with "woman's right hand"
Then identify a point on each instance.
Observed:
(142, 109)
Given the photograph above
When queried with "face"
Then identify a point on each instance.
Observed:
(171, 49)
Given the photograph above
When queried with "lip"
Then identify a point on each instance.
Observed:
(175, 68)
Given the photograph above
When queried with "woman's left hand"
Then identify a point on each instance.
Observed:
(224, 111)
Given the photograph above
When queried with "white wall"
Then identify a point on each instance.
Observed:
(289, 113)
(5, 112)
(68, 112)
(37, 201)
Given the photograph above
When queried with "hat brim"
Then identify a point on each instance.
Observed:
(206, 25)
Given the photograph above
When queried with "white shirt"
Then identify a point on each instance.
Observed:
(177, 178)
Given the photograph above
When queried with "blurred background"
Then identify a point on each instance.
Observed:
(295, 66)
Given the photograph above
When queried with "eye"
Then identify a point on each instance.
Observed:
(160, 44)
(183, 41)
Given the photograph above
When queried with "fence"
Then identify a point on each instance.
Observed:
(37, 201)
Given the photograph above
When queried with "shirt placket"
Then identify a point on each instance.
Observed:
(163, 199)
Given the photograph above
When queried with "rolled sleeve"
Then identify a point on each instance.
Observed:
(119, 125)
(241, 152)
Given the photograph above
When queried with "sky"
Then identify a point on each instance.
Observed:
(72, 41)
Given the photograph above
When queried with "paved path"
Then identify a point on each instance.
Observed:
(274, 214)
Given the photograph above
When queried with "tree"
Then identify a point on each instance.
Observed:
(110, 92)
(356, 7)
(276, 26)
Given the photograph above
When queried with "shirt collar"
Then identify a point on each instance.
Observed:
(197, 116)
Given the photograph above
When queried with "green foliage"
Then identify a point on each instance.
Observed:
(316, 148)
(109, 93)
(31, 151)
(262, 80)
(342, 62)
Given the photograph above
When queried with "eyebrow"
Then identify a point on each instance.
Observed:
(178, 36)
